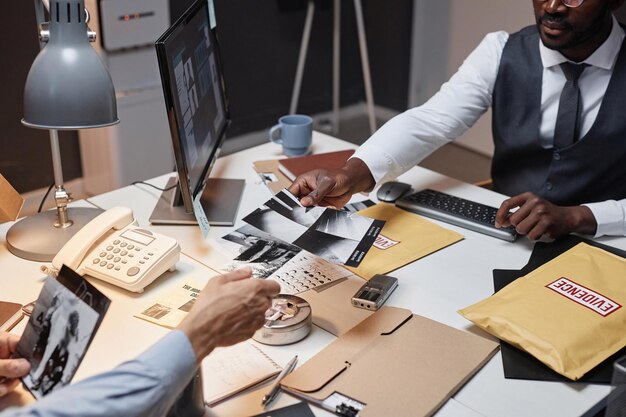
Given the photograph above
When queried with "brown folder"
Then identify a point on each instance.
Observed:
(332, 305)
(292, 167)
(271, 175)
(393, 363)
(10, 315)
(11, 201)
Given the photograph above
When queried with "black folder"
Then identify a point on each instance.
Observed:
(521, 365)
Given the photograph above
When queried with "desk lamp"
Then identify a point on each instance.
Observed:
(67, 88)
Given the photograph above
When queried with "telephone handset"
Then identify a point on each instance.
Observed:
(112, 248)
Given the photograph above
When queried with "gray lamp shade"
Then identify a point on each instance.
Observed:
(68, 86)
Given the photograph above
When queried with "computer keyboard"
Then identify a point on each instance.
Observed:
(458, 211)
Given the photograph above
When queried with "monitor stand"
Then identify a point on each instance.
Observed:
(220, 201)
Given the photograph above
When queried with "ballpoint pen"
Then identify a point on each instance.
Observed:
(269, 397)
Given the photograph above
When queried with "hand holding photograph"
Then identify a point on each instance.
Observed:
(335, 235)
(59, 331)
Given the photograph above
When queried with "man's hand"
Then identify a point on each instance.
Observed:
(537, 217)
(229, 310)
(332, 188)
(10, 369)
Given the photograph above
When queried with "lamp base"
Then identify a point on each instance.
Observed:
(35, 238)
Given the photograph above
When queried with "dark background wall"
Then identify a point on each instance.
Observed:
(25, 158)
(260, 40)
(260, 49)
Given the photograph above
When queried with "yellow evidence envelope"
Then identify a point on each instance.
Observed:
(405, 238)
(569, 313)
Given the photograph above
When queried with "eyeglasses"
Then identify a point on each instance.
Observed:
(569, 3)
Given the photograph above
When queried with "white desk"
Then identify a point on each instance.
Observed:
(435, 287)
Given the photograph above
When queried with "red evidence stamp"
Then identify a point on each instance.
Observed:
(383, 242)
(584, 296)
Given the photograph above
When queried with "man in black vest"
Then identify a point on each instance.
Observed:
(557, 90)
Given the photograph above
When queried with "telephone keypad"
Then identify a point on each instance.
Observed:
(114, 252)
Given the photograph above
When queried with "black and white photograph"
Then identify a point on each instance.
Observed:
(335, 235)
(358, 206)
(305, 216)
(156, 311)
(58, 334)
(259, 250)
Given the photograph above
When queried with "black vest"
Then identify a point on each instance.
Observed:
(592, 169)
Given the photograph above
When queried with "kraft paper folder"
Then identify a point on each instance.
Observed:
(11, 201)
(265, 169)
(332, 305)
(394, 363)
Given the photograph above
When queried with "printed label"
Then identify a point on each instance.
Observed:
(201, 218)
(383, 242)
(584, 296)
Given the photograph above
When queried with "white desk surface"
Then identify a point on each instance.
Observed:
(435, 287)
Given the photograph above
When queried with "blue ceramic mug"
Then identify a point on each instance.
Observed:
(295, 133)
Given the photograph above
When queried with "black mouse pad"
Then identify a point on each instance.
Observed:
(518, 364)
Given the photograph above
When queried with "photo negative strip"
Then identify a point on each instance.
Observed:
(335, 235)
(64, 321)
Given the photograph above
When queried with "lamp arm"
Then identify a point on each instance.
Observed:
(42, 25)
(41, 17)
(61, 197)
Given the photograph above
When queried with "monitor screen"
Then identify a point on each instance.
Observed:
(194, 96)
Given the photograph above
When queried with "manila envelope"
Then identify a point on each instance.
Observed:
(396, 363)
(11, 201)
(405, 238)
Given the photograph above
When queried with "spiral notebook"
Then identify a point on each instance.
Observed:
(228, 371)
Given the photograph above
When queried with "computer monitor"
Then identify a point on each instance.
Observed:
(197, 111)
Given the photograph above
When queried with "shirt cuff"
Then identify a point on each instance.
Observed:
(380, 163)
(610, 217)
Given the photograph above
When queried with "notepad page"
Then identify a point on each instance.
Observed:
(227, 371)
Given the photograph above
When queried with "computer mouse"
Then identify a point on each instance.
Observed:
(392, 190)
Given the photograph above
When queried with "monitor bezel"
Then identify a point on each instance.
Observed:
(187, 194)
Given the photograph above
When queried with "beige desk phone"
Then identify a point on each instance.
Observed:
(112, 248)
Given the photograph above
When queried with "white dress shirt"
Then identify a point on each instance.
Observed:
(413, 135)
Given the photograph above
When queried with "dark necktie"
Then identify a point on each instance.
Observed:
(566, 130)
